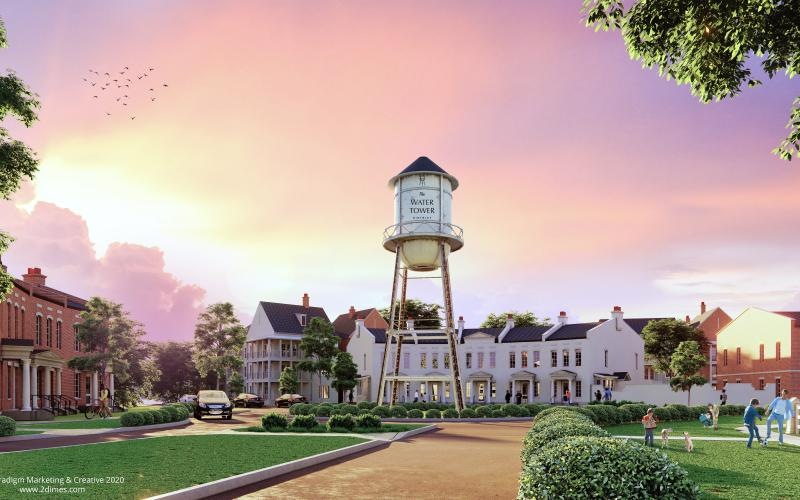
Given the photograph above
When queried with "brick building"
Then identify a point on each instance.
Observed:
(345, 324)
(710, 322)
(37, 339)
(761, 347)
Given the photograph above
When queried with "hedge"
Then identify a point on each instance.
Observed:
(341, 422)
(484, 411)
(158, 417)
(414, 413)
(467, 413)
(561, 412)
(542, 435)
(636, 410)
(8, 426)
(274, 421)
(369, 420)
(323, 411)
(303, 422)
(366, 405)
(147, 417)
(399, 412)
(434, 413)
(450, 413)
(131, 419)
(382, 411)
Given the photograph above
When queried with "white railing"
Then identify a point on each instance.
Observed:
(423, 228)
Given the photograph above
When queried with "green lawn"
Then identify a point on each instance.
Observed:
(21, 432)
(727, 469)
(727, 428)
(157, 465)
(322, 429)
(95, 423)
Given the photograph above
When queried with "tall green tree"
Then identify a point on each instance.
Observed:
(526, 318)
(236, 383)
(109, 339)
(319, 346)
(662, 337)
(218, 341)
(142, 375)
(288, 383)
(179, 374)
(710, 44)
(17, 161)
(687, 361)
(425, 315)
(345, 372)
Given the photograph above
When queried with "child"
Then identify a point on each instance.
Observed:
(750, 414)
(649, 422)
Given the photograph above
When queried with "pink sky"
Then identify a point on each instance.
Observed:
(260, 172)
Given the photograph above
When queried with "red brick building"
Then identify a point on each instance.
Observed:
(345, 324)
(37, 339)
(710, 322)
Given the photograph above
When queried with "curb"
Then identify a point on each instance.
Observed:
(414, 432)
(26, 437)
(227, 484)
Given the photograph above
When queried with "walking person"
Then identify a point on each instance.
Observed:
(780, 409)
(519, 398)
(649, 421)
(416, 396)
(750, 414)
(568, 397)
(104, 411)
(508, 396)
(723, 398)
(597, 395)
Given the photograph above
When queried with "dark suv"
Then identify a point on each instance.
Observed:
(214, 403)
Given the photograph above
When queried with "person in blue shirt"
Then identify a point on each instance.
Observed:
(750, 414)
(779, 410)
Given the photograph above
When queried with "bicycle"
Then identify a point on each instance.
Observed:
(96, 410)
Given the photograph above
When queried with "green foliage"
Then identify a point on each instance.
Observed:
(8, 426)
(707, 44)
(526, 318)
(497, 413)
(543, 434)
(368, 420)
(323, 411)
(218, 341)
(344, 373)
(484, 411)
(304, 422)
(132, 419)
(288, 382)
(450, 413)
(636, 410)
(683, 411)
(512, 410)
(467, 413)
(433, 413)
(174, 413)
(157, 416)
(341, 422)
(367, 405)
(686, 361)
(319, 345)
(560, 413)
(665, 414)
(414, 413)
(384, 411)
(301, 409)
(425, 315)
(178, 374)
(147, 417)
(604, 414)
(166, 416)
(397, 412)
(662, 337)
(274, 420)
(598, 467)
(535, 408)
(347, 409)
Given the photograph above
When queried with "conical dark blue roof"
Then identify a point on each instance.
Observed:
(426, 165)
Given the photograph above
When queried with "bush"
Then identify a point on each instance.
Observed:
(348, 410)
(8, 426)
(366, 405)
(665, 414)
(561, 412)
(183, 413)
(484, 411)
(323, 411)
(274, 421)
(300, 409)
(624, 414)
(697, 410)
(682, 411)
(541, 435)
(399, 412)
(304, 422)
(383, 411)
(596, 467)
(636, 410)
(369, 420)
(341, 422)
(147, 417)
(467, 413)
(605, 414)
(433, 413)
(158, 417)
(498, 413)
(512, 410)
(450, 413)
(364, 411)
(535, 408)
(174, 413)
(132, 419)
(415, 413)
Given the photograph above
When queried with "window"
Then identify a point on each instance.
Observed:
(738, 381)
(778, 351)
(406, 360)
(447, 360)
(724, 357)
(578, 388)
(536, 362)
(713, 371)
(294, 349)
(284, 350)
(761, 352)
(480, 360)
(302, 320)
(761, 384)
(469, 361)
(524, 359)
(553, 359)
(423, 360)
(77, 382)
(434, 360)
(713, 353)
(38, 329)
(16, 321)
(512, 360)
(777, 386)
(636, 359)
(324, 391)
(578, 359)
(22, 325)
(365, 362)
(447, 390)
(492, 356)
(536, 389)
(49, 332)
(494, 390)
(58, 334)
(565, 355)
(649, 373)
(738, 355)
(468, 391)
(605, 358)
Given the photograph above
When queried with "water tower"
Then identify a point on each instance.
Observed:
(422, 238)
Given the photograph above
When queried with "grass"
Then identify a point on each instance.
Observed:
(727, 428)
(157, 465)
(95, 423)
(727, 469)
(22, 432)
(79, 416)
(323, 429)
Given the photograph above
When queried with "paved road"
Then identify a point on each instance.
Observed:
(460, 460)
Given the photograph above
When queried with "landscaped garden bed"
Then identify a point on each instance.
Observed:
(432, 411)
(362, 424)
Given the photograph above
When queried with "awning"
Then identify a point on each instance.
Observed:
(523, 375)
(613, 376)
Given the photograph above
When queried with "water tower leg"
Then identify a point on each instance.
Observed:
(452, 340)
(388, 341)
(400, 326)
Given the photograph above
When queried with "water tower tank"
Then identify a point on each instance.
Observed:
(423, 196)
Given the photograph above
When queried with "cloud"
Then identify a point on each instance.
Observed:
(57, 240)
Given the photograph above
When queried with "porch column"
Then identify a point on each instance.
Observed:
(94, 387)
(530, 391)
(58, 382)
(35, 385)
(552, 390)
(47, 391)
(111, 386)
(26, 385)
(513, 391)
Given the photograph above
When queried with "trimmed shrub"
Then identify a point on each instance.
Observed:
(561, 412)
(323, 411)
(433, 413)
(341, 422)
(414, 413)
(158, 417)
(369, 420)
(542, 435)
(697, 410)
(399, 412)
(174, 413)
(147, 417)
(498, 413)
(348, 410)
(596, 467)
(166, 416)
(8, 426)
(183, 413)
(624, 414)
(366, 405)
(467, 413)
(605, 414)
(535, 408)
(132, 419)
(303, 422)
(383, 411)
(274, 421)
(484, 411)
(364, 411)
(450, 413)
(299, 409)
(683, 411)
(636, 410)
(665, 413)
(512, 410)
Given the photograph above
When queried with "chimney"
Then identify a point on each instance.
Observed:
(305, 300)
(410, 323)
(702, 307)
(34, 276)
(352, 311)
(510, 321)
(359, 325)
(562, 317)
(616, 314)
(460, 327)
(688, 319)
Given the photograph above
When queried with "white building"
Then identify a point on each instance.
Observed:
(273, 344)
(536, 364)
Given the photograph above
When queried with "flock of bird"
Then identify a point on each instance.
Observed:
(123, 88)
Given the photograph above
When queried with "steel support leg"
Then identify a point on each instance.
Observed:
(400, 325)
(392, 311)
(452, 339)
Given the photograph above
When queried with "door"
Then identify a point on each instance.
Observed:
(525, 386)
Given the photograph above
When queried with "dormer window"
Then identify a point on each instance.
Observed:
(302, 320)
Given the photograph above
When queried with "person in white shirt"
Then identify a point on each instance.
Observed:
(779, 410)
(416, 396)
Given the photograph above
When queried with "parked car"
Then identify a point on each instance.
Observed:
(214, 403)
(188, 398)
(247, 400)
(289, 400)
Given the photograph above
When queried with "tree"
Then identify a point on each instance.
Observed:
(17, 161)
(319, 346)
(218, 341)
(345, 372)
(179, 374)
(109, 339)
(526, 318)
(687, 360)
(142, 372)
(236, 383)
(288, 383)
(707, 44)
(425, 315)
(662, 337)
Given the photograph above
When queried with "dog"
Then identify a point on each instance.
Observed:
(687, 440)
(665, 437)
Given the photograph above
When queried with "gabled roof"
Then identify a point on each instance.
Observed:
(572, 331)
(345, 324)
(702, 317)
(494, 332)
(283, 317)
(423, 164)
(795, 315)
(525, 334)
(638, 324)
(51, 295)
(380, 337)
